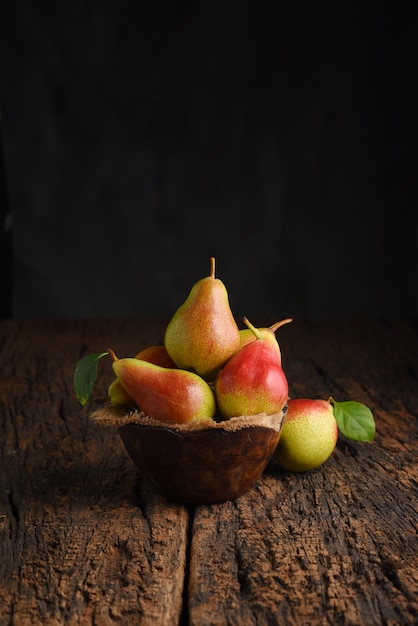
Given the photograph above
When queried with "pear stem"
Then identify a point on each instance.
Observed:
(277, 325)
(112, 354)
(255, 330)
(212, 267)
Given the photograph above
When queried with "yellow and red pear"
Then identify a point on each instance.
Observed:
(253, 380)
(157, 355)
(309, 435)
(203, 334)
(169, 395)
(247, 335)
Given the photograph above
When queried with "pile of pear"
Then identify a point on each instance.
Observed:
(208, 368)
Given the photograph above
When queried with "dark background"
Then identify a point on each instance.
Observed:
(139, 139)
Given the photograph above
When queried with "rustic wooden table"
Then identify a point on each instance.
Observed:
(85, 540)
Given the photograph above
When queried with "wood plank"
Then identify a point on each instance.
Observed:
(82, 539)
(337, 545)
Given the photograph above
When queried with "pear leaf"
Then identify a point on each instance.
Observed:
(354, 419)
(85, 375)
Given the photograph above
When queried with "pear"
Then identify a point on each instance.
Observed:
(117, 394)
(253, 380)
(157, 355)
(309, 435)
(203, 334)
(247, 335)
(169, 395)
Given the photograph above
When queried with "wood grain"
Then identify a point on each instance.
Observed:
(85, 540)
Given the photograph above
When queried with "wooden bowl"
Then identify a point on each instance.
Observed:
(200, 464)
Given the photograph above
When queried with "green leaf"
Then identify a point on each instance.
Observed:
(355, 420)
(85, 375)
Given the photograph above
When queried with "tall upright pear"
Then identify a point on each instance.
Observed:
(202, 335)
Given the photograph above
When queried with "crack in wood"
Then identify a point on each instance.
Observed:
(14, 508)
(184, 615)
